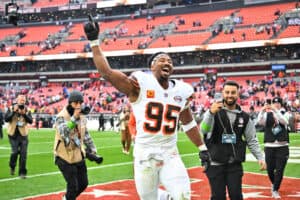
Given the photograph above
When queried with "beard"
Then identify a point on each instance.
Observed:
(230, 103)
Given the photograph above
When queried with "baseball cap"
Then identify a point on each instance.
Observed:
(75, 96)
(277, 100)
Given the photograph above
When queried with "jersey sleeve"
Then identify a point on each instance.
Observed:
(139, 77)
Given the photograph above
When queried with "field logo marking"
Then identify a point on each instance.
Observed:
(255, 186)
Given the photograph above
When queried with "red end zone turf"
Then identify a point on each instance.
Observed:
(255, 186)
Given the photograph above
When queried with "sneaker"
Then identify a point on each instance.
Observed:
(22, 176)
(275, 195)
(12, 171)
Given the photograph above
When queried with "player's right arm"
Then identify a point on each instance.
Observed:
(118, 79)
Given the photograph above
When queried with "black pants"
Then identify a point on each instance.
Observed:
(222, 176)
(75, 176)
(19, 146)
(276, 160)
(1, 132)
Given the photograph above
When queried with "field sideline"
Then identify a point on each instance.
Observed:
(44, 176)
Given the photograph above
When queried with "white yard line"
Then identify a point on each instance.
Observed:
(249, 157)
(58, 172)
(90, 168)
(294, 155)
(46, 152)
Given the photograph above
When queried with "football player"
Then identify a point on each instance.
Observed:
(158, 103)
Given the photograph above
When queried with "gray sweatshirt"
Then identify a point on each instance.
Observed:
(250, 132)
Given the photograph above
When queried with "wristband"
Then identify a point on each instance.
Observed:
(202, 147)
(94, 43)
(189, 126)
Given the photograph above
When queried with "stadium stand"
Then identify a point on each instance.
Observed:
(151, 28)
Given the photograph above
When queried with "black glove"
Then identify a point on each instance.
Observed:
(205, 159)
(91, 29)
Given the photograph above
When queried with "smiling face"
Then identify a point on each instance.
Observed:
(162, 67)
(230, 95)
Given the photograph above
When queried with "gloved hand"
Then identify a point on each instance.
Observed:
(205, 159)
(91, 29)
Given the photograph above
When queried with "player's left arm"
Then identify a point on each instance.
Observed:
(190, 127)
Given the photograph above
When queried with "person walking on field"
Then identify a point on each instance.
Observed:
(157, 103)
(276, 142)
(70, 138)
(227, 131)
(125, 135)
(18, 117)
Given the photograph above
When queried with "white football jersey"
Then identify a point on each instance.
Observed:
(157, 110)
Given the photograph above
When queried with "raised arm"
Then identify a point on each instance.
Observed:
(115, 77)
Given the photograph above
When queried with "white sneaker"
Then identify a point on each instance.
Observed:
(163, 195)
(275, 195)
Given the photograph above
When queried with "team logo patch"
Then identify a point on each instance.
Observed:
(241, 122)
(178, 99)
(150, 94)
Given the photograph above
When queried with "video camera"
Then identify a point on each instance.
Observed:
(11, 12)
(85, 110)
(21, 106)
(93, 157)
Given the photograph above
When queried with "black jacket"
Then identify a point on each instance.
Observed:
(224, 152)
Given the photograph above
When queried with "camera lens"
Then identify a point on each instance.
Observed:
(21, 107)
(85, 110)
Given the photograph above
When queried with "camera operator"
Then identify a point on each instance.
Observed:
(17, 118)
(227, 131)
(276, 141)
(71, 135)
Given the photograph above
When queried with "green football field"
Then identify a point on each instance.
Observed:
(44, 177)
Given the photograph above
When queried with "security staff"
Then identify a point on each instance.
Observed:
(227, 130)
(18, 117)
(276, 142)
(71, 134)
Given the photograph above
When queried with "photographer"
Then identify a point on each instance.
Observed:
(276, 141)
(17, 118)
(71, 135)
(227, 131)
